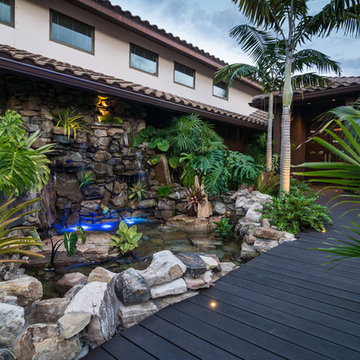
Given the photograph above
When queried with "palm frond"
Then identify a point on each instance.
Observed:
(231, 72)
(309, 80)
(309, 58)
(252, 40)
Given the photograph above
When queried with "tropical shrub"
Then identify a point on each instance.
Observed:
(70, 244)
(225, 229)
(21, 166)
(295, 210)
(128, 238)
(220, 170)
(164, 191)
(70, 121)
(16, 244)
(195, 197)
(137, 191)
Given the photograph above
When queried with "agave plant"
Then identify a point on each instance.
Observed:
(268, 183)
(16, 244)
(70, 121)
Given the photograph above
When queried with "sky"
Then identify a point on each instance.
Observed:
(207, 23)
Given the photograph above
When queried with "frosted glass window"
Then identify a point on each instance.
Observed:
(220, 90)
(7, 11)
(72, 32)
(143, 59)
(184, 75)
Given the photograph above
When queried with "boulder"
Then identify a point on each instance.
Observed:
(211, 262)
(11, 323)
(164, 267)
(248, 252)
(219, 208)
(175, 287)
(43, 341)
(253, 216)
(71, 324)
(193, 224)
(204, 281)
(162, 170)
(67, 186)
(100, 274)
(47, 311)
(265, 223)
(131, 288)
(120, 201)
(99, 300)
(68, 281)
(23, 290)
(267, 233)
(263, 246)
(131, 315)
(173, 299)
(195, 265)
(205, 243)
(287, 237)
(147, 204)
(166, 204)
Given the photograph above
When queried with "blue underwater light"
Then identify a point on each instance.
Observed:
(102, 226)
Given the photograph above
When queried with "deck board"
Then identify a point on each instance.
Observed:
(285, 304)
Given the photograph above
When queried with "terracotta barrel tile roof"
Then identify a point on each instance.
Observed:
(8, 52)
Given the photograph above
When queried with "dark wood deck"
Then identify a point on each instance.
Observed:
(282, 305)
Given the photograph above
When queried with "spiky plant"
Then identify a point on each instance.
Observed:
(16, 244)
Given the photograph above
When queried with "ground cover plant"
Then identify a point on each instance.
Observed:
(127, 238)
(224, 229)
(296, 211)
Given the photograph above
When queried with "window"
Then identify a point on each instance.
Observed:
(143, 59)
(220, 90)
(69, 31)
(7, 12)
(184, 75)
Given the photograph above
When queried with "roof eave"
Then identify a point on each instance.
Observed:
(299, 98)
(46, 74)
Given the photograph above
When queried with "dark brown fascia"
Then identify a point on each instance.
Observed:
(88, 85)
(317, 95)
(118, 19)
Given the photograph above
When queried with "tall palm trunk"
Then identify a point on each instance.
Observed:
(285, 156)
(269, 132)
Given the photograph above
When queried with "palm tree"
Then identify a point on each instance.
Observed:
(269, 71)
(291, 22)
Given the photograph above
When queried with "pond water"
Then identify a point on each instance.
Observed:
(156, 237)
